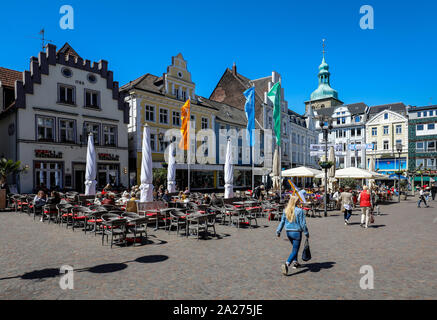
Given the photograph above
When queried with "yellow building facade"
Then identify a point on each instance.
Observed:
(157, 102)
(386, 131)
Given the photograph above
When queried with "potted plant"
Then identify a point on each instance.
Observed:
(326, 164)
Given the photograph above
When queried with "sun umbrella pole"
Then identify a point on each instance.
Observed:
(280, 174)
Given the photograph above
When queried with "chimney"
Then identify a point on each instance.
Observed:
(234, 69)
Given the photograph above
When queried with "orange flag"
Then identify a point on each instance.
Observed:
(185, 115)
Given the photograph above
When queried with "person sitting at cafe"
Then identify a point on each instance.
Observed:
(186, 191)
(55, 198)
(206, 199)
(109, 199)
(39, 202)
(166, 196)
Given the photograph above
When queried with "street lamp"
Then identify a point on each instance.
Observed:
(399, 149)
(325, 123)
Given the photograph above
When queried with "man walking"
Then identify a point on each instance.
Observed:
(422, 198)
(365, 203)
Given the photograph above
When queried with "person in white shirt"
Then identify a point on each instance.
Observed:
(422, 198)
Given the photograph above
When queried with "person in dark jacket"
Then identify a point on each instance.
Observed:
(55, 198)
(293, 219)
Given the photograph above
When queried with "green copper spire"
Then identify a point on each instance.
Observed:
(324, 90)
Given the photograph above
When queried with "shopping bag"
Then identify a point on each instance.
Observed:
(306, 253)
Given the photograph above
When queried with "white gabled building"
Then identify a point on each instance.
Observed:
(55, 105)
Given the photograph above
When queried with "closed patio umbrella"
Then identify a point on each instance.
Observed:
(276, 170)
(331, 171)
(171, 170)
(146, 186)
(91, 168)
(229, 172)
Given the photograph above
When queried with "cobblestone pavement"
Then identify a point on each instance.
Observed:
(239, 264)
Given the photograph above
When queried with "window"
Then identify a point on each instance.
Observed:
(430, 146)
(374, 131)
(176, 92)
(93, 128)
(150, 113)
(163, 116)
(92, 99)
(176, 118)
(357, 118)
(424, 113)
(338, 120)
(184, 95)
(153, 142)
(109, 135)
(66, 72)
(66, 94)
(386, 145)
(293, 138)
(343, 120)
(91, 78)
(193, 121)
(67, 131)
(358, 132)
(420, 146)
(419, 127)
(205, 123)
(431, 113)
(45, 128)
(385, 116)
(352, 132)
(375, 145)
(431, 126)
(431, 163)
(420, 162)
(419, 114)
(398, 129)
(385, 129)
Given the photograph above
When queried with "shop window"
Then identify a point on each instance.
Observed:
(48, 175)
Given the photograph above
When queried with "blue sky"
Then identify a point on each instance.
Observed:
(394, 62)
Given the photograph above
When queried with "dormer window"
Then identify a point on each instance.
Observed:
(385, 116)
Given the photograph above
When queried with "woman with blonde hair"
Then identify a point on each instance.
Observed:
(293, 219)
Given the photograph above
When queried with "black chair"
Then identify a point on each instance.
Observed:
(138, 226)
(178, 220)
(115, 228)
(79, 216)
(198, 224)
(210, 222)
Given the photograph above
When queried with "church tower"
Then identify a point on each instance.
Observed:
(324, 96)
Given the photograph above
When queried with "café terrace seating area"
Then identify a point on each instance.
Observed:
(115, 226)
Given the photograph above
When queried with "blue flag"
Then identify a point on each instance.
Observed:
(250, 114)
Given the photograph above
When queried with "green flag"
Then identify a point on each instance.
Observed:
(275, 97)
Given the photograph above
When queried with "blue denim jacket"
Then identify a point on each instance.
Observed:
(299, 224)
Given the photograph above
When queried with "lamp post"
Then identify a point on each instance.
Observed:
(325, 124)
(399, 149)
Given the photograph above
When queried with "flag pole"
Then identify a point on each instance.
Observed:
(189, 155)
(253, 167)
(280, 173)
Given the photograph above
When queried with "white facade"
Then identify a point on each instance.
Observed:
(56, 108)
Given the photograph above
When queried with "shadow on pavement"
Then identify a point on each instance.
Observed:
(314, 267)
(105, 268)
(151, 259)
